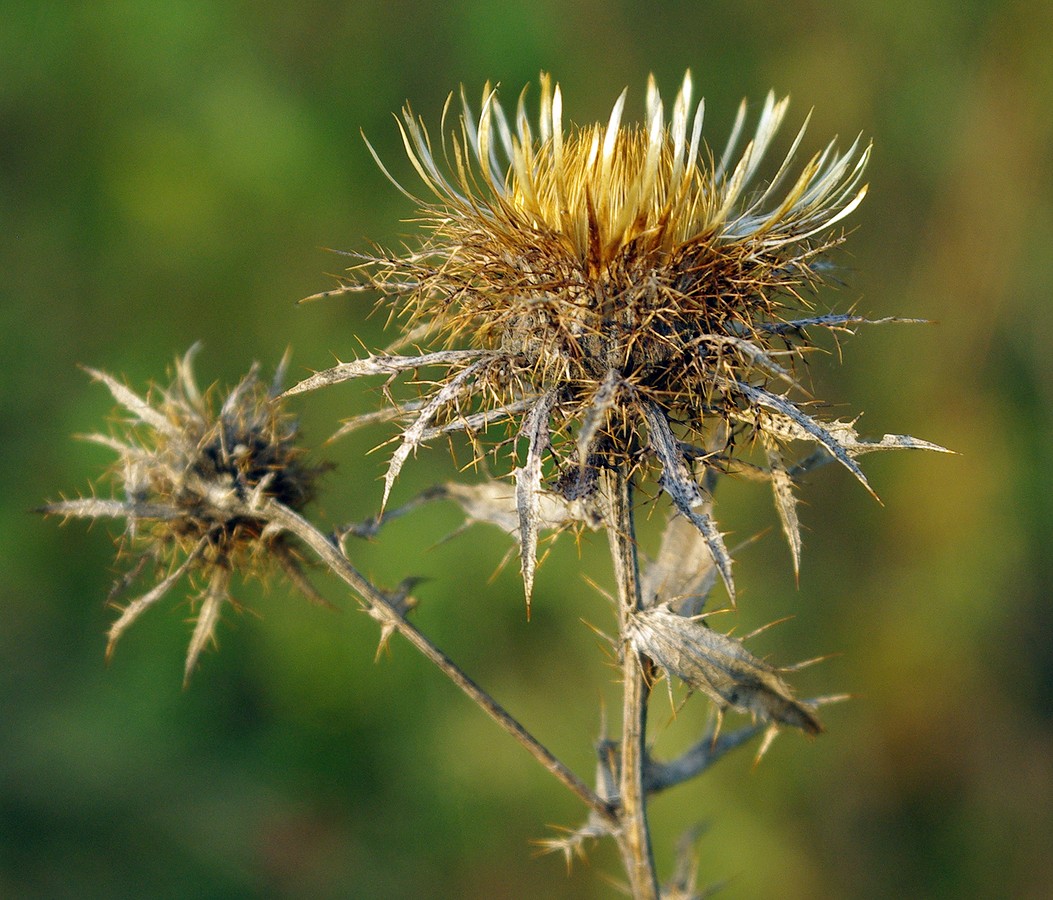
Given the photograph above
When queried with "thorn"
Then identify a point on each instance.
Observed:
(769, 736)
(717, 725)
(804, 664)
(764, 628)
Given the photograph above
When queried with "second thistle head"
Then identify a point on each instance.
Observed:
(193, 479)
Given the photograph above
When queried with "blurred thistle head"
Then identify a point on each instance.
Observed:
(189, 480)
(619, 293)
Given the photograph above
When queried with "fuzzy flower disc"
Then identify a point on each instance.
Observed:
(625, 247)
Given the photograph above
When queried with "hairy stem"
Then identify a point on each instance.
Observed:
(634, 835)
(381, 609)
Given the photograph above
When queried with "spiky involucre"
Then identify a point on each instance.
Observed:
(613, 246)
(184, 474)
(625, 282)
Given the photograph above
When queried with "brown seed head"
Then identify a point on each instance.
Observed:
(190, 471)
(617, 248)
(617, 293)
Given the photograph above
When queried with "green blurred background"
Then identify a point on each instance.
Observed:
(170, 171)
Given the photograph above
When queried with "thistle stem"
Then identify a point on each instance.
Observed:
(380, 608)
(634, 834)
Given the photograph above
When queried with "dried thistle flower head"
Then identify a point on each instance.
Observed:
(187, 476)
(620, 294)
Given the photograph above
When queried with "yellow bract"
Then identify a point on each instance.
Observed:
(656, 185)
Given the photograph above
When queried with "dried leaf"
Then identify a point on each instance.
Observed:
(139, 605)
(678, 482)
(843, 433)
(490, 502)
(811, 428)
(132, 402)
(494, 503)
(835, 321)
(785, 499)
(95, 507)
(528, 487)
(373, 418)
(683, 573)
(186, 378)
(601, 402)
(380, 365)
(482, 419)
(207, 618)
(719, 666)
(754, 353)
(414, 435)
(240, 392)
(848, 438)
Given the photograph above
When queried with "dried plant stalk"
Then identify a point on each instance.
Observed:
(608, 306)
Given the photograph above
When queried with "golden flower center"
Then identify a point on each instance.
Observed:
(600, 198)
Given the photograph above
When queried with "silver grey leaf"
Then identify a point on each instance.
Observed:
(719, 666)
(835, 322)
(380, 365)
(414, 435)
(812, 428)
(132, 402)
(601, 402)
(679, 483)
(528, 487)
(207, 619)
(141, 604)
(683, 573)
(785, 499)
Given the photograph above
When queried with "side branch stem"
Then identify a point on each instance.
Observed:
(634, 835)
(380, 608)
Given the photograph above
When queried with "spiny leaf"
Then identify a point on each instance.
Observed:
(207, 619)
(528, 483)
(785, 499)
(494, 503)
(813, 429)
(375, 417)
(140, 604)
(414, 435)
(380, 365)
(243, 389)
(95, 507)
(678, 482)
(602, 400)
(848, 438)
(835, 321)
(133, 402)
(754, 353)
(683, 573)
(719, 666)
(844, 433)
(482, 419)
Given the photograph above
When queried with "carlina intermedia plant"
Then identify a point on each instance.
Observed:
(594, 308)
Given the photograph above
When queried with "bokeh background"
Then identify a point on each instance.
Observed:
(172, 172)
